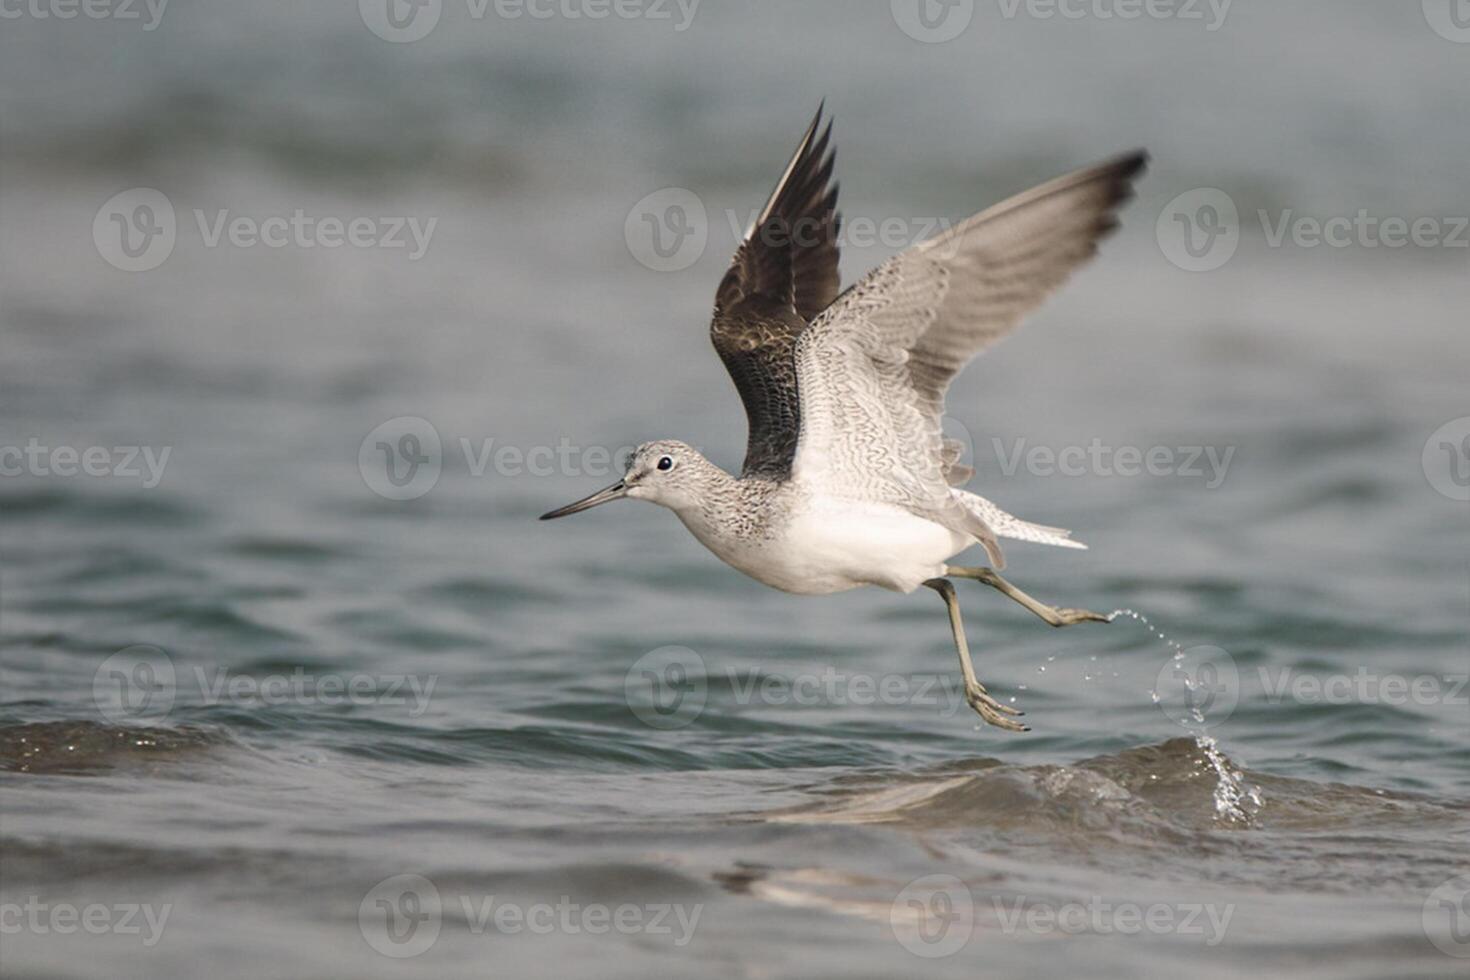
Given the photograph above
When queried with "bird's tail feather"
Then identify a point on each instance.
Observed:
(1009, 526)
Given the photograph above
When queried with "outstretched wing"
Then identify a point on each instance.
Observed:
(783, 274)
(874, 367)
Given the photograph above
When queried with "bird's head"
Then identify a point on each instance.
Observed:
(667, 472)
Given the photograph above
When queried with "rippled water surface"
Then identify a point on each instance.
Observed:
(247, 697)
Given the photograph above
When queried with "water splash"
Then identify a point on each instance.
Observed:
(1141, 618)
(1236, 801)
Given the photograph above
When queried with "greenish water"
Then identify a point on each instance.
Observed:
(249, 696)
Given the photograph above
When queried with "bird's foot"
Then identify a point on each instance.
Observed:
(1070, 617)
(994, 713)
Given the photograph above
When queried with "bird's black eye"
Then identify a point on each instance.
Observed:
(666, 462)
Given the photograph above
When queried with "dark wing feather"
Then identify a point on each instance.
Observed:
(783, 274)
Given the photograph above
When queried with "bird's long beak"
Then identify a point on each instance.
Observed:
(614, 492)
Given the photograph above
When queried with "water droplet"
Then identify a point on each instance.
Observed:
(1143, 620)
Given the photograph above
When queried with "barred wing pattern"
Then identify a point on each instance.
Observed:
(873, 369)
(783, 274)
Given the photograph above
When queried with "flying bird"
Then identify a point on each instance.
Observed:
(848, 480)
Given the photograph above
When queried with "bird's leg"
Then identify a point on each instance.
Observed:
(1053, 615)
(975, 694)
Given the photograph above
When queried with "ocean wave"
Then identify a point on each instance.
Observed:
(82, 747)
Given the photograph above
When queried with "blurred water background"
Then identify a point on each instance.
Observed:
(597, 713)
